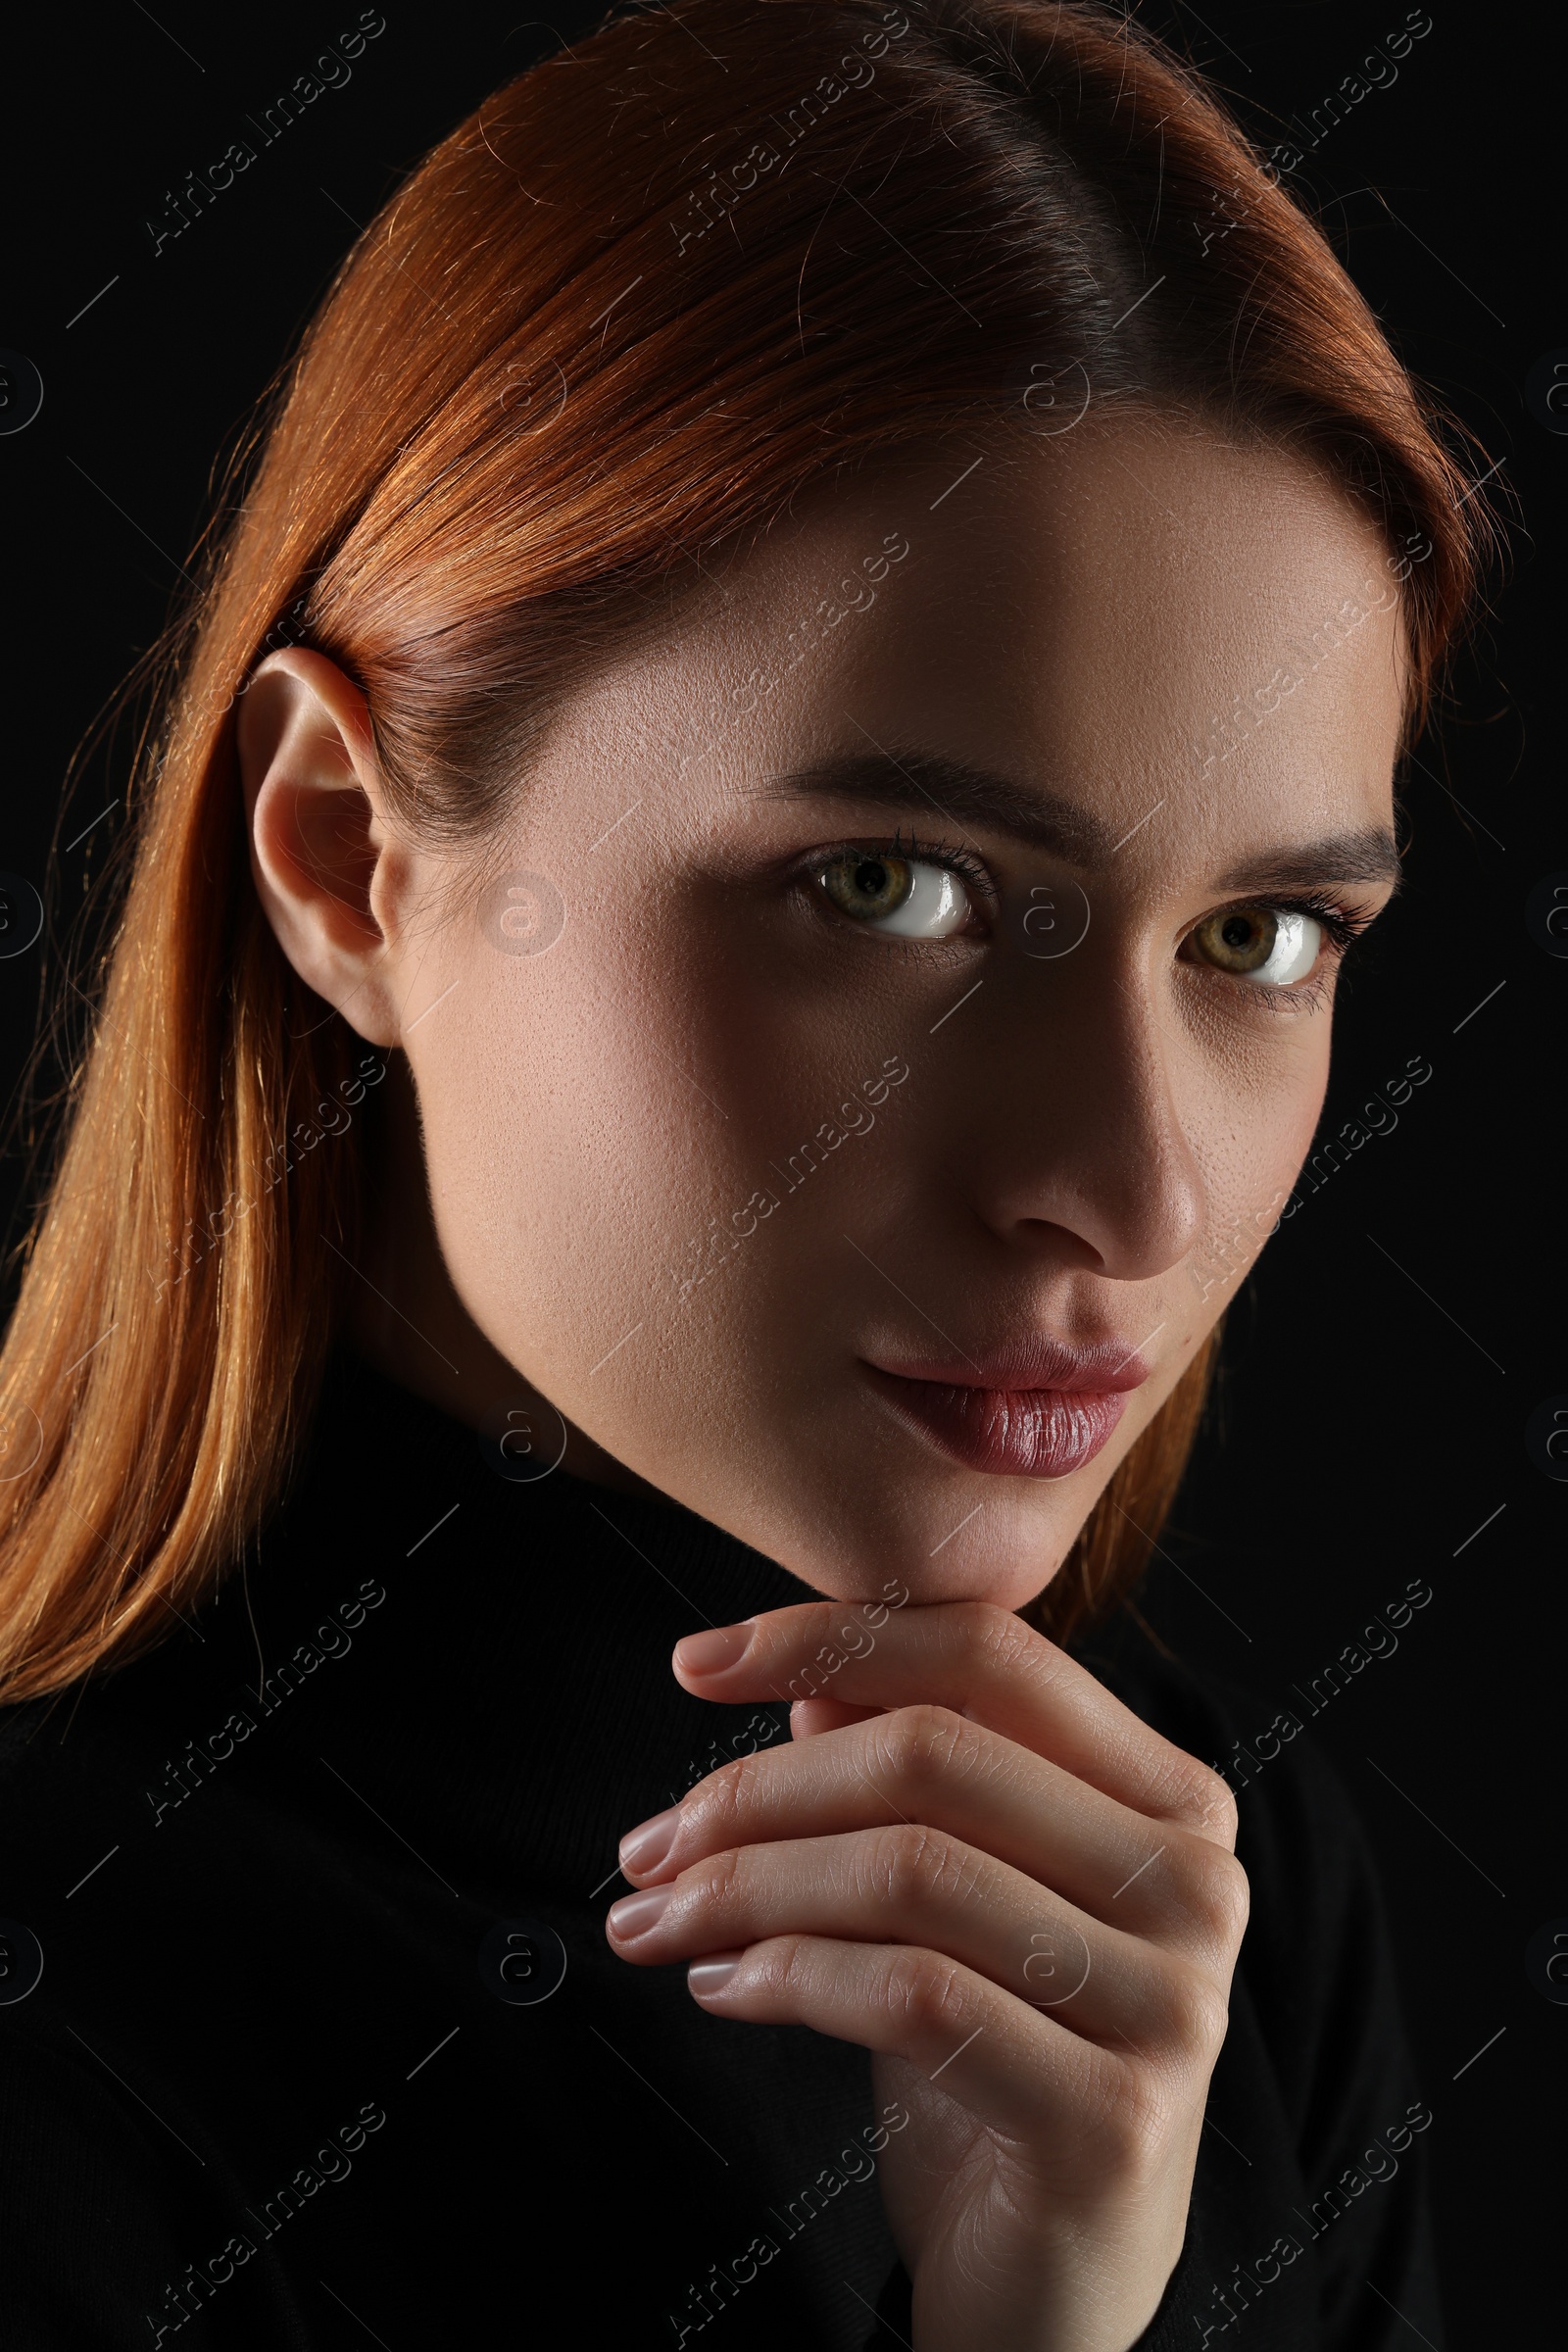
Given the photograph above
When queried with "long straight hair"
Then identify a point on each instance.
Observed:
(646, 294)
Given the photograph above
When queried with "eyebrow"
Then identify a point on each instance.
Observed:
(963, 793)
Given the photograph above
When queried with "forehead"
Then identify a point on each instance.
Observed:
(1139, 616)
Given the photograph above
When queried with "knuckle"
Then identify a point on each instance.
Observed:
(715, 1882)
(1218, 1894)
(807, 1652)
(728, 1797)
(1127, 2110)
(790, 1968)
(1205, 1802)
(925, 1993)
(997, 1636)
(1132, 2124)
(921, 1744)
(1190, 2012)
(710, 1810)
(907, 1862)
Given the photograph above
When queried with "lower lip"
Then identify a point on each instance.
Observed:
(1010, 1433)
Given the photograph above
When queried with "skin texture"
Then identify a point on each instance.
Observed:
(1084, 1145)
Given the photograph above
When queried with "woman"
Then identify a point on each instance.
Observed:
(731, 949)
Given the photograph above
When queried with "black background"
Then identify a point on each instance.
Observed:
(1380, 1373)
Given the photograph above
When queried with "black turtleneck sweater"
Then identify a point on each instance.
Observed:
(329, 2048)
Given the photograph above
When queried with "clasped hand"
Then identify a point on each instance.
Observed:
(976, 1863)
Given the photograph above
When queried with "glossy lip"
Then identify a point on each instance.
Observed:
(1037, 1408)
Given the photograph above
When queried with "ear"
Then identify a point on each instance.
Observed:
(328, 868)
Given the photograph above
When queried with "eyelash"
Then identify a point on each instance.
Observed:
(955, 858)
(1342, 925)
(950, 856)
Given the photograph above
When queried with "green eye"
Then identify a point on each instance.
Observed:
(908, 897)
(1238, 942)
(866, 887)
(1274, 945)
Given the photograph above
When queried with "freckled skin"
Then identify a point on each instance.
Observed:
(1067, 1146)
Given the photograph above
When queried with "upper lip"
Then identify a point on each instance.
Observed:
(1099, 1367)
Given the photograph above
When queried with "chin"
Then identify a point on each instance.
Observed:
(996, 1540)
(852, 1497)
(1007, 1583)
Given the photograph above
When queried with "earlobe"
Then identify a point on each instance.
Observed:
(318, 840)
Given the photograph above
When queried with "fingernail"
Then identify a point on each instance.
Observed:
(645, 1847)
(635, 1914)
(712, 1652)
(713, 1975)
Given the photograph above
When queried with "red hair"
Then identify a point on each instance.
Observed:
(649, 291)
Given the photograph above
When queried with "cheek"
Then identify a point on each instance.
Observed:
(560, 1131)
(1252, 1148)
(609, 1129)
(1280, 1140)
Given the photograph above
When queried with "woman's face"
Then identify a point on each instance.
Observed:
(901, 1013)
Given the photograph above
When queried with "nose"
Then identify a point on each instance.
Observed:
(1080, 1152)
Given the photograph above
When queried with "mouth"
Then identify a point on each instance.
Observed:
(1042, 1411)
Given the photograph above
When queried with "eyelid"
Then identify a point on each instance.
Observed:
(952, 857)
(1341, 924)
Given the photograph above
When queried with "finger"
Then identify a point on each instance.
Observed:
(927, 1765)
(912, 1886)
(981, 1661)
(1020, 2072)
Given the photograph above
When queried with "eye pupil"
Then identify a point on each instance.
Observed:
(1241, 940)
(868, 886)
